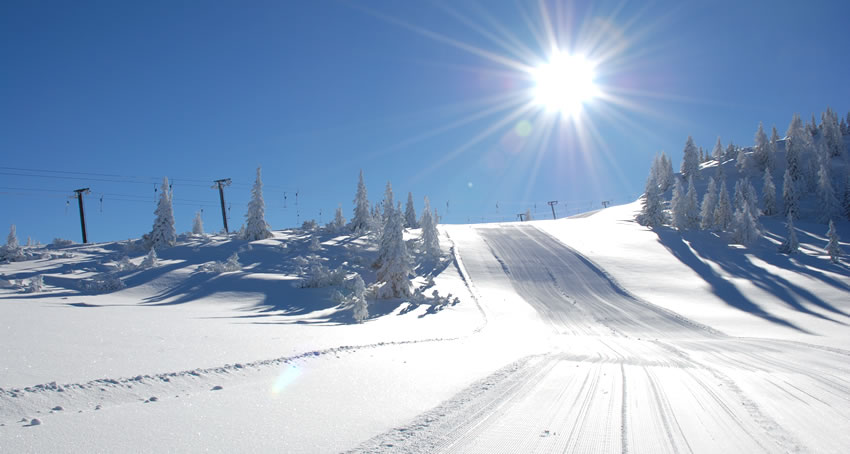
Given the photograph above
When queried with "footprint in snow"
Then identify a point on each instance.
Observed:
(33, 422)
(57, 408)
(216, 388)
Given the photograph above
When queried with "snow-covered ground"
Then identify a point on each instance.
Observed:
(579, 334)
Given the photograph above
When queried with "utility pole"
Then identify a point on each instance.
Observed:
(552, 204)
(220, 184)
(521, 217)
(78, 194)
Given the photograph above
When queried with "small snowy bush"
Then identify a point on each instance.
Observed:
(315, 245)
(36, 284)
(310, 225)
(61, 242)
(124, 264)
(232, 264)
(321, 276)
(102, 283)
(150, 261)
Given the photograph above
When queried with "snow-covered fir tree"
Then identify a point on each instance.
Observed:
(768, 194)
(410, 213)
(256, 227)
(692, 205)
(197, 224)
(833, 247)
(723, 211)
(665, 175)
(362, 217)
(790, 245)
(717, 152)
(760, 150)
(790, 197)
(690, 160)
(828, 206)
(430, 236)
(745, 229)
(794, 145)
(339, 221)
(314, 244)
(394, 271)
(678, 206)
(832, 134)
(742, 160)
(12, 238)
(12, 250)
(389, 204)
(163, 235)
(527, 215)
(709, 204)
(847, 196)
(772, 145)
(360, 307)
(652, 213)
(731, 152)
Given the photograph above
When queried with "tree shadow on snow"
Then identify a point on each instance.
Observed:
(696, 249)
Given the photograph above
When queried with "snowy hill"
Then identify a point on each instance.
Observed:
(593, 332)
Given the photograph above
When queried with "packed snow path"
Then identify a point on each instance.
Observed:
(626, 376)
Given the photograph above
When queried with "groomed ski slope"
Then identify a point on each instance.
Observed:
(623, 375)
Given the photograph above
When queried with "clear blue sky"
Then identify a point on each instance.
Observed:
(413, 92)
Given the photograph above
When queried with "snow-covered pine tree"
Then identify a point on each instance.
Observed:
(770, 156)
(665, 178)
(678, 206)
(12, 250)
(794, 146)
(790, 198)
(389, 204)
(362, 217)
(690, 160)
(760, 149)
(256, 227)
(717, 152)
(833, 247)
(709, 203)
(197, 224)
(768, 193)
(723, 211)
(742, 160)
(828, 206)
(394, 271)
(339, 220)
(701, 155)
(745, 228)
(843, 127)
(527, 214)
(163, 235)
(410, 213)
(847, 196)
(692, 205)
(361, 307)
(652, 213)
(731, 152)
(12, 238)
(790, 245)
(430, 236)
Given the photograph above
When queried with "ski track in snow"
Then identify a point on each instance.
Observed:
(630, 376)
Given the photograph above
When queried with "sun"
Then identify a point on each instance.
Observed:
(565, 83)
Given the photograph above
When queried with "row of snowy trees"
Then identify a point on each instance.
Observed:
(393, 261)
(820, 147)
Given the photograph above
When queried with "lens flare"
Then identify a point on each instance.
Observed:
(288, 375)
